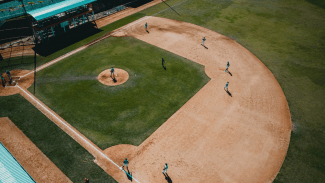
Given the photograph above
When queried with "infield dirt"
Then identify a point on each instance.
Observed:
(28, 155)
(240, 136)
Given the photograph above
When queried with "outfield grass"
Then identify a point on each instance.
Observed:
(289, 38)
(70, 157)
(125, 114)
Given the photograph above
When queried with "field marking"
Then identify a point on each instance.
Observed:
(90, 44)
(87, 142)
(71, 53)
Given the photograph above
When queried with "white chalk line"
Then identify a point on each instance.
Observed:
(70, 128)
(71, 53)
(86, 46)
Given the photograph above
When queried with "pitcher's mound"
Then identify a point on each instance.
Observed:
(121, 76)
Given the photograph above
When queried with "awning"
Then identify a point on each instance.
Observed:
(57, 8)
(10, 169)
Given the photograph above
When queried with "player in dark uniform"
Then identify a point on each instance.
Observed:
(3, 81)
(9, 75)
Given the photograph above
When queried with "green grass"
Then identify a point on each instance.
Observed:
(289, 38)
(125, 114)
(70, 157)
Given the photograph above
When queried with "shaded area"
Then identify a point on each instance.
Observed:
(71, 37)
(14, 30)
(319, 3)
(71, 158)
(124, 114)
(168, 179)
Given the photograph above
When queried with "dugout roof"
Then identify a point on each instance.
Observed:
(10, 169)
(57, 8)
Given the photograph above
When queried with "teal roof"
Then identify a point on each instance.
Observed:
(57, 8)
(10, 169)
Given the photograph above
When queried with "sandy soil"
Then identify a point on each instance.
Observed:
(17, 51)
(121, 76)
(215, 137)
(27, 50)
(129, 11)
(28, 155)
(24, 82)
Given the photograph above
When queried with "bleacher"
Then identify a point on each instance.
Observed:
(14, 8)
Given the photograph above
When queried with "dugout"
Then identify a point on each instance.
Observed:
(56, 19)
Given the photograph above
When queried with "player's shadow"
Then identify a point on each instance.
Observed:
(204, 46)
(147, 31)
(229, 73)
(129, 174)
(228, 92)
(114, 79)
(169, 180)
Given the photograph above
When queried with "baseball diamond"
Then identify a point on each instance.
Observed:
(143, 91)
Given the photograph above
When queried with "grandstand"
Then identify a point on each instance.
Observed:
(54, 19)
(14, 8)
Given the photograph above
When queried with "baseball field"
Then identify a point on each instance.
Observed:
(268, 126)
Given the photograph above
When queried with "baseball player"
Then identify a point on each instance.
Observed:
(86, 180)
(227, 66)
(165, 169)
(226, 87)
(203, 40)
(146, 25)
(125, 162)
(112, 72)
(163, 63)
(9, 75)
(3, 81)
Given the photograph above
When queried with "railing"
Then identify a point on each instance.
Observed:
(107, 12)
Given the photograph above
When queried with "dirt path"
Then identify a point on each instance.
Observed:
(27, 50)
(122, 14)
(28, 155)
(215, 137)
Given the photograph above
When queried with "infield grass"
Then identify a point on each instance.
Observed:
(70, 157)
(289, 38)
(124, 114)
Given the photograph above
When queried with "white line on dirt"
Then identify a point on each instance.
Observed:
(71, 53)
(71, 129)
(86, 46)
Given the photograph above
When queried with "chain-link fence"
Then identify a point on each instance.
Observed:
(17, 55)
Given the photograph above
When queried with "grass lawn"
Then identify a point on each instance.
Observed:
(70, 157)
(289, 38)
(124, 114)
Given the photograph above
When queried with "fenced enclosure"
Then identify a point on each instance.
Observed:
(17, 56)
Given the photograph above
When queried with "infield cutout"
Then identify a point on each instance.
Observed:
(120, 77)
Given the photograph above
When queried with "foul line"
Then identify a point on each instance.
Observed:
(71, 129)
(86, 46)
(71, 53)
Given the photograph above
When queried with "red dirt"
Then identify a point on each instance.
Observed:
(215, 137)
(119, 15)
(121, 76)
(24, 82)
(17, 51)
(28, 155)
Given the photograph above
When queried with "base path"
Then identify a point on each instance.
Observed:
(215, 137)
(28, 155)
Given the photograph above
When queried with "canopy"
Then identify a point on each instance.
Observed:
(57, 8)
(10, 169)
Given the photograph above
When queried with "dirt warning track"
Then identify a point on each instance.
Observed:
(215, 137)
